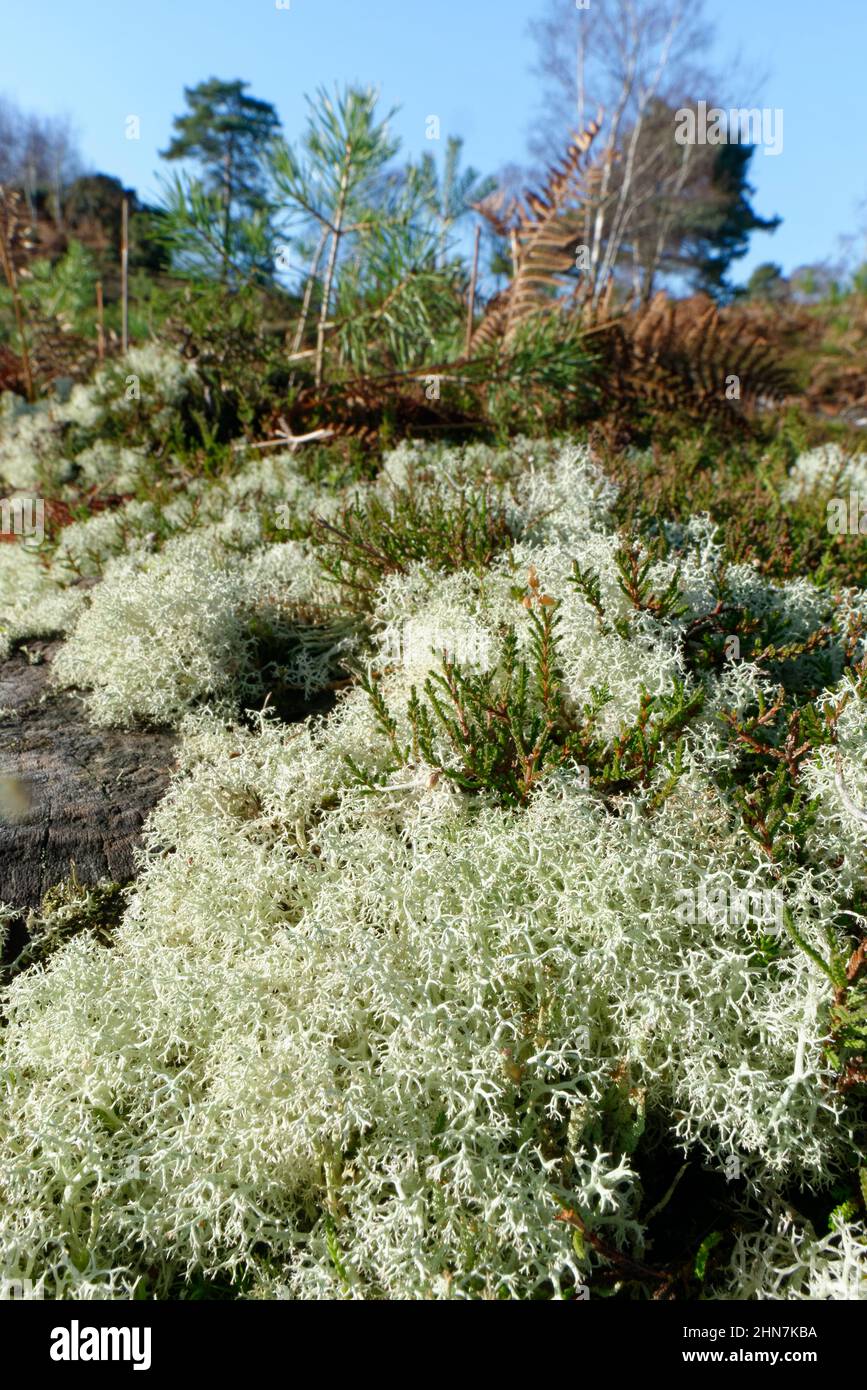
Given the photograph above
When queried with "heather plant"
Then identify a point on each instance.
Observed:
(241, 370)
(376, 535)
(503, 730)
(767, 491)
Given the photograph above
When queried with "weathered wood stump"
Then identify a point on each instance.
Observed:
(69, 793)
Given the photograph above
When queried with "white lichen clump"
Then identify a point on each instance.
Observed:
(163, 631)
(160, 632)
(47, 445)
(33, 602)
(826, 469)
(377, 1043)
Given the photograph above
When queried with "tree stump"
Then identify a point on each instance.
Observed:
(69, 793)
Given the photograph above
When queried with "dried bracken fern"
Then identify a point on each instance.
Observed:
(543, 232)
(690, 356)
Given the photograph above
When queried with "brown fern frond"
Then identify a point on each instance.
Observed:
(690, 356)
(498, 210)
(544, 230)
(493, 325)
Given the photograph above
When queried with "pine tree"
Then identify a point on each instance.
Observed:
(227, 133)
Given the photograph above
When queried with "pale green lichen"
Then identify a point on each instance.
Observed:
(355, 1042)
(164, 631)
(56, 441)
(33, 601)
(826, 469)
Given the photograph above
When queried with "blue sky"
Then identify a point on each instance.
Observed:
(468, 61)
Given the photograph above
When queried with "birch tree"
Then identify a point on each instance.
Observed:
(623, 57)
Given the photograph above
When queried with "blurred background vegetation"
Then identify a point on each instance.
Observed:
(327, 283)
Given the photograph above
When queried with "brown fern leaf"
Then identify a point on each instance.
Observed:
(689, 356)
(493, 325)
(498, 210)
(544, 230)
